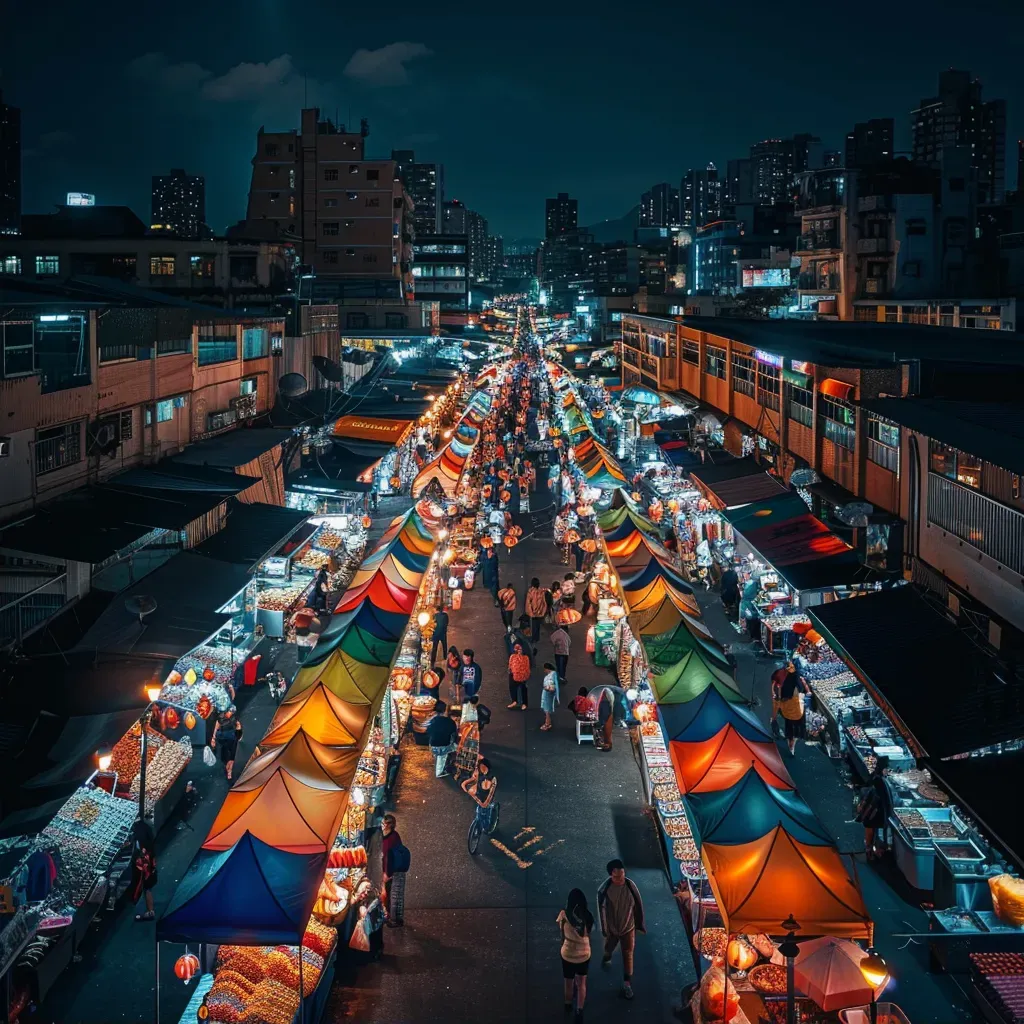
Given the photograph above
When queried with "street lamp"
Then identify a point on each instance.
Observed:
(876, 973)
(789, 949)
(103, 759)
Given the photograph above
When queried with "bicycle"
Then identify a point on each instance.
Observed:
(478, 825)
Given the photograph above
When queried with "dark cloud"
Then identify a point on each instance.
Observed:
(247, 81)
(385, 66)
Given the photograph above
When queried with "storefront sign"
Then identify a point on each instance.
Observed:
(800, 366)
(768, 357)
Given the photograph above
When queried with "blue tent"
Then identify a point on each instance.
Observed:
(751, 809)
(250, 895)
(650, 572)
(705, 716)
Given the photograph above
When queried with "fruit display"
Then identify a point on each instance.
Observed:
(280, 599)
(710, 942)
(677, 828)
(685, 849)
(911, 817)
(312, 559)
(126, 756)
(769, 979)
(163, 770)
(667, 791)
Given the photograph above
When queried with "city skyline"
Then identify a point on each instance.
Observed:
(459, 94)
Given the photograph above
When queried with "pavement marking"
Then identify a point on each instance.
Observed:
(546, 848)
(523, 831)
(521, 864)
(530, 842)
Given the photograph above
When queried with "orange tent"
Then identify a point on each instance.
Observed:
(652, 594)
(759, 884)
(324, 717)
(723, 760)
(351, 681)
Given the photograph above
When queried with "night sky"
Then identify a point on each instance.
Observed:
(601, 104)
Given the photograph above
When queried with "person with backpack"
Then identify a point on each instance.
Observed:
(395, 863)
(622, 916)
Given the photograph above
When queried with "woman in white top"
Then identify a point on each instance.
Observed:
(575, 923)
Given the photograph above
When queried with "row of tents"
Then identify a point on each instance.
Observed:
(767, 857)
(445, 470)
(257, 874)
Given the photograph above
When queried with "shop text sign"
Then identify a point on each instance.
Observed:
(768, 357)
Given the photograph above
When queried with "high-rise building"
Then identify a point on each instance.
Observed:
(494, 267)
(349, 214)
(179, 204)
(659, 207)
(10, 168)
(869, 143)
(560, 215)
(1020, 165)
(476, 231)
(701, 197)
(958, 116)
(454, 220)
(441, 273)
(774, 162)
(424, 183)
(738, 186)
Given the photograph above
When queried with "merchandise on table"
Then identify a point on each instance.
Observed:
(163, 770)
(685, 849)
(710, 942)
(126, 755)
(769, 979)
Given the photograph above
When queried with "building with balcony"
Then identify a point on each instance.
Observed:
(823, 244)
(441, 274)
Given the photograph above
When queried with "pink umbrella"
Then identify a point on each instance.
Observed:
(828, 971)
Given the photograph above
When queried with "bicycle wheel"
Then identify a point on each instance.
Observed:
(494, 818)
(475, 832)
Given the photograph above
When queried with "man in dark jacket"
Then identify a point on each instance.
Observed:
(489, 571)
(622, 916)
(472, 674)
(440, 637)
(441, 733)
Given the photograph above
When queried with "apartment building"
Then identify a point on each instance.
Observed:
(92, 385)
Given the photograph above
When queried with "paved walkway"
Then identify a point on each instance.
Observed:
(480, 942)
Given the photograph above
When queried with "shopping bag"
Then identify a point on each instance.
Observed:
(456, 600)
(359, 940)
(209, 757)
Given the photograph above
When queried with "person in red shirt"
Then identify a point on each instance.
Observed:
(518, 677)
(583, 707)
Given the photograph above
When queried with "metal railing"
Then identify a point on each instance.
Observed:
(882, 455)
(28, 611)
(801, 413)
(819, 283)
(994, 529)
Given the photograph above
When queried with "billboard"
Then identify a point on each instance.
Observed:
(766, 277)
(81, 199)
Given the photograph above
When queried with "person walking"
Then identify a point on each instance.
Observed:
(561, 643)
(440, 635)
(441, 732)
(472, 674)
(874, 809)
(788, 694)
(395, 863)
(536, 607)
(477, 712)
(507, 602)
(579, 554)
(622, 915)
(729, 588)
(568, 590)
(453, 665)
(553, 596)
(518, 678)
(143, 870)
(575, 923)
(549, 695)
(605, 720)
(228, 731)
(489, 571)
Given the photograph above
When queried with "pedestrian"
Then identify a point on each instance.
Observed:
(472, 674)
(482, 712)
(575, 923)
(395, 863)
(228, 731)
(143, 870)
(605, 720)
(518, 678)
(489, 571)
(788, 697)
(729, 589)
(579, 554)
(441, 731)
(536, 608)
(440, 635)
(622, 916)
(568, 590)
(561, 643)
(507, 600)
(874, 809)
(320, 588)
(549, 695)
(453, 663)
(554, 597)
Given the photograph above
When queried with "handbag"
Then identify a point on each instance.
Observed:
(209, 757)
(359, 939)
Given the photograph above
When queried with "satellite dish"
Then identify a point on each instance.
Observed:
(140, 605)
(328, 369)
(804, 477)
(292, 385)
(855, 513)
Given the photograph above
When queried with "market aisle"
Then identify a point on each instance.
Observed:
(480, 943)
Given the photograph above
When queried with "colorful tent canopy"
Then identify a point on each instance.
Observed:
(653, 569)
(801, 539)
(751, 809)
(326, 718)
(663, 615)
(759, 884)
(653, 593)
(665, 649)
(635, 549)
(250, 893)
(722, 761)
(704, 716)
(689, 677)
(348, 679)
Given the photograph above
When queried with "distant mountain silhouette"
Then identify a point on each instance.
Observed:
(620, 230)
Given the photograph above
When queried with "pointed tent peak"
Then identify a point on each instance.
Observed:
(250, 893)
(348, 679)
(721, 761)
(323, 716)
(690, 678)
(311, 763)
(719, 704)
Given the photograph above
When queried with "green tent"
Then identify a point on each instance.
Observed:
(362, 645)
(689, 678)
(667, 649)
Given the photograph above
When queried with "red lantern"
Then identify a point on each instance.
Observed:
(367, 522)
(171, 718)
(396, 482)
(204, 708)
(486, 542)
(510, 541)
(174, 678)
(190, 721)
(571, 536)
(430, 679)
(186, 966)
(208, 674)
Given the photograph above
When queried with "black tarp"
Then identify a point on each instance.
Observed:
(251, 533)
(937, 686)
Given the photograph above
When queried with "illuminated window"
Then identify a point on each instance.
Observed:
(48, 266)
(10, 265)
(161, 266)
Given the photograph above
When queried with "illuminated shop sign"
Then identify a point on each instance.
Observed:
(768, 357)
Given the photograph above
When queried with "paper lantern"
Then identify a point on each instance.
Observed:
(208, 674)
(567, 616)
(557, 442)
(486, 542)
(430, 679)
(571, 536)
(190, 676)
(174, 678)
(395, 482)
(171, 718)
(486, 490)
(367, 522)
(516, 531)
(636, 496)
(423, 619)
(190, 721)
(673, 505)
(589, 544)
(616, 611)
(741, 955)
(186, 966)
(510, 541)
(204, 708)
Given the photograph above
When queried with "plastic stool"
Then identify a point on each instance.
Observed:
(581, 736)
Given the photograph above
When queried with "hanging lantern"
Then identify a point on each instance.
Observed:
(174, 678)
(673, 506)
(741, 956)
(504, 474)
(431, 679)
(423, 620)
(186, 966)
(395, 482)
(208, 674)
(486, 490)
(571, 536)
(486, 542)
(190, 721)
(813, 636)
(616, 611)
(509, 541)
(190, 676)
(557, 442)
(567, 616)
(171, 719)
(516, 531)
(636, 496)
(204, 708)
(367, 522)
(589, 544)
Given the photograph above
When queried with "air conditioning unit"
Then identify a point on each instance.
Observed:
(953, 603)
(104, 436)
(244, 406)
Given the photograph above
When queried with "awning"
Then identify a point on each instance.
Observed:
(737, 483)
(762, 513)
(367, 428)
(252, 533)
(837, 389)
(935, 685)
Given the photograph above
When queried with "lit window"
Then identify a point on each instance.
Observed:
(10, 265)
(161, 266)
(247, 386)
(48, 265)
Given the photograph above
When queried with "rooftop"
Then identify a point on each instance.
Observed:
(233, 449)
(993, 431)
